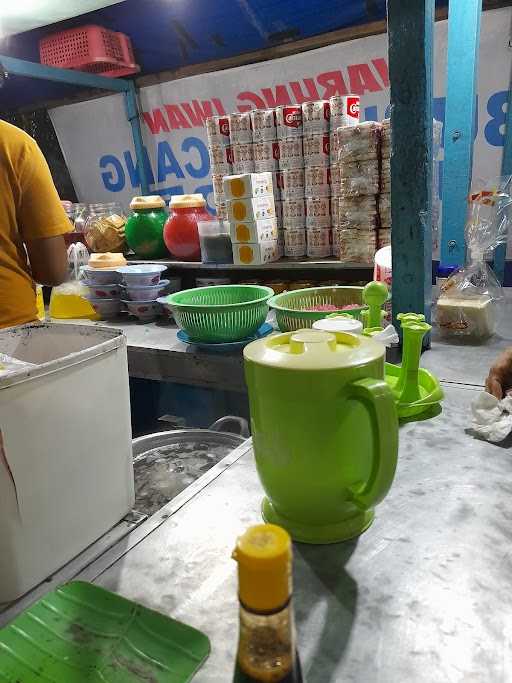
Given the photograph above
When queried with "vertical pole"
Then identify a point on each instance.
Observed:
(410, 35)
(461, 90)
(500, 253)
(132, 114)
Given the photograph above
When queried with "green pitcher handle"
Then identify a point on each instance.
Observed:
(377, 397)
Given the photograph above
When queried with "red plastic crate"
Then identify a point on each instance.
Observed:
(90, 48)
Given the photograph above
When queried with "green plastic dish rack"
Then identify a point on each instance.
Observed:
(81, 633)
(220, 314)
(291, 307)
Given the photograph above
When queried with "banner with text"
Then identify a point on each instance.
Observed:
(96, 138)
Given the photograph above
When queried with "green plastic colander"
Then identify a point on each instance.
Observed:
(220, 314)
(292, 307)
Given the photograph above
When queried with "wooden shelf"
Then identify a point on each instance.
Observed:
(283, 264)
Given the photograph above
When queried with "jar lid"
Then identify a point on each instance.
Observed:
(185, 201)
(264, 556)
(153, 201)
(314, 350)
(106, 260)
(340, 323)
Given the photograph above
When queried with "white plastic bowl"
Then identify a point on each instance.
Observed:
(106, 308)
(146, 293)
(141, 276)
(110, 291)
(145, 311)
(101, 276)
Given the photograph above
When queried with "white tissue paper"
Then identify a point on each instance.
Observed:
(492, 419)
(388, 336)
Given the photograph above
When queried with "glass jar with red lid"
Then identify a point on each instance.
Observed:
(181, 235)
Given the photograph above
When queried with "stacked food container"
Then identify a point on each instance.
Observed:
(252, 218)
(358, 148)
(219, 149)
(317, 189)
(141, 287)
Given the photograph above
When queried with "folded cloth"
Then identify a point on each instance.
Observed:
(492, 419)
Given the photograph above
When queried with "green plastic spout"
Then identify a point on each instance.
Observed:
(375, 295)
(414, 328)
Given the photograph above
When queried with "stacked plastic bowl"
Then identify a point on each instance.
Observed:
(141, 287)
(104, 291)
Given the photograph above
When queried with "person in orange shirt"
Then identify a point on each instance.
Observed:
(32, 225)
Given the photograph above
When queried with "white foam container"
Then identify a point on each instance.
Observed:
(66, 474)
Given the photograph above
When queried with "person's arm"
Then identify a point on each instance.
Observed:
(41, 219)
(499, 379)
(48, 260)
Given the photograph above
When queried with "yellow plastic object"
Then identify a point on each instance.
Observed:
(264, 556)
(41, 315)
(107, 260)
(186, 201)
(68, 302)
(153, 201)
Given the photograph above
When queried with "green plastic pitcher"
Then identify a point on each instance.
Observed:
(325, 431)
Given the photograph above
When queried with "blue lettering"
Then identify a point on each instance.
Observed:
(133, 169)
(494, 130)
(206, 191)
(113, 180)
(204, 168)
(370, 113)
(170, 191)
(167, 162)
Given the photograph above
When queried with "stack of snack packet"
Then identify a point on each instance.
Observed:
(252, 218)
(384, 235)
(220, 151)
(359, 183)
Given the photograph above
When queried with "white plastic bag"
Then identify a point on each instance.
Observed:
(471, 301)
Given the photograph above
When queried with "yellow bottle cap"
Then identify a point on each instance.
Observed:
(153, 201)
(264, 556)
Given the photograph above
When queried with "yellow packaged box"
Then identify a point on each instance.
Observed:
(247, 185)
(254, 231)
(251, 209)
(252, 253)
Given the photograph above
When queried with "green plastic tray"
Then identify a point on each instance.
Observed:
(221, 314)
(290, 306)
(429, 388)
(81, 633)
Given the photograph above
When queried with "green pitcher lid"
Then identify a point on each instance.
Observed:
(314, 350)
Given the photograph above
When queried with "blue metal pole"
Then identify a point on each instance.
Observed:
(500, 253)
(20, 67)
(132, 113)
(461, 91)
(410, 35)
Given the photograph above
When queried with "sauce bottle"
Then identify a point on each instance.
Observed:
(266, 646)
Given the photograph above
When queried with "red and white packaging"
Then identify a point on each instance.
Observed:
(319, 242)
(221, 159)
(335, 180)
(317, 181)
(217, 130)
(289, 121)
(218, 187)
(316, 150)
(266, 155)
(222, 211)
(240, 127)
(295, 242)
(333, 147)
(263, 123)
(344, 110)
(243, 161)
(316, 117)
(318, 212)
(290, 153)
(279, 212)
(291, 183)
(293, 213)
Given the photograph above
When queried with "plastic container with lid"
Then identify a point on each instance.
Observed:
(215, 242)
(181, 235)
(104, 228)
(145, 227)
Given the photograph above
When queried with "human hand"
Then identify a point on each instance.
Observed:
(499, 379)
